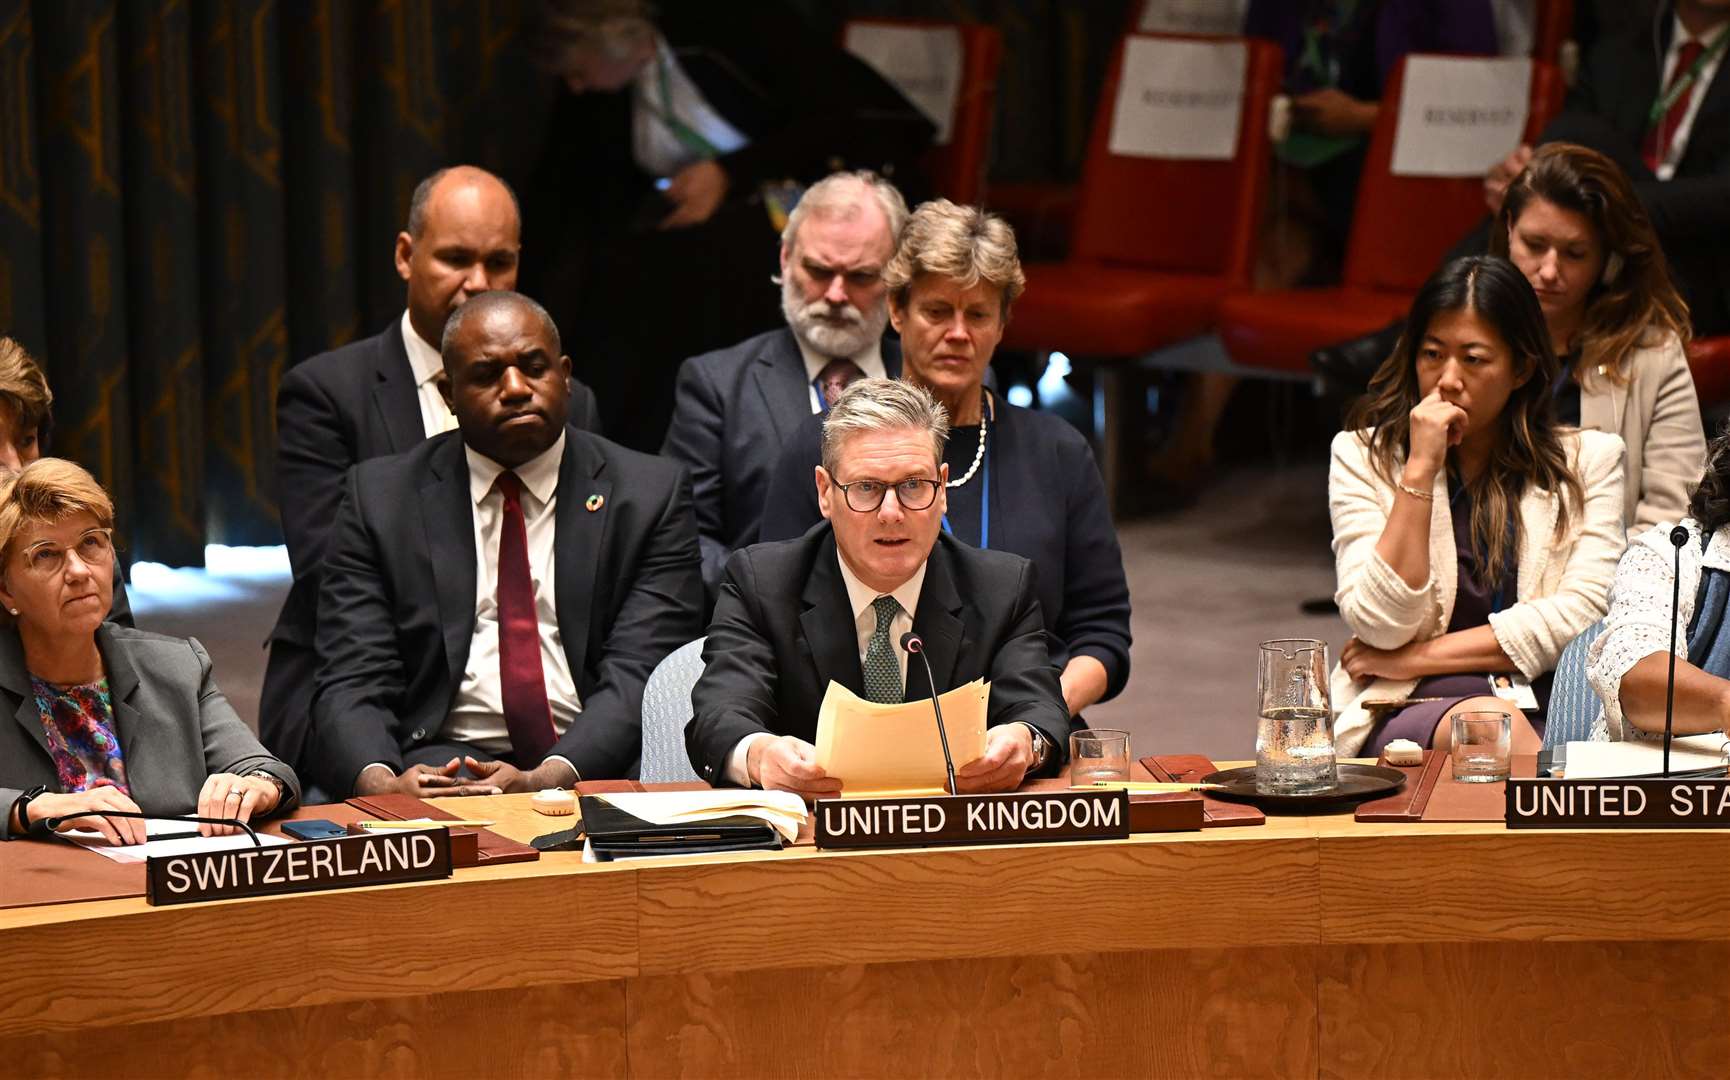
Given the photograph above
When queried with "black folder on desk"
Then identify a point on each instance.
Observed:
(615, 834)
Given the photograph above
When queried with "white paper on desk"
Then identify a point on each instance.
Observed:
(781, 810)
(1460, 115)
(193, 845)
(880, 749)
(1218, 17)
(923, 62)
(1179, 99)
(1688, 753)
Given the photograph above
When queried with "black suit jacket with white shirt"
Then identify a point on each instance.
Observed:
(334, 411)
(784, 629)
(397, 605)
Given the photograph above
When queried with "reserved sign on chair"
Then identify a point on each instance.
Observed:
(1459, 116)
(1179, 99)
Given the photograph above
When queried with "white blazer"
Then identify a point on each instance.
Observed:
(1563, 586)
(1657, 413)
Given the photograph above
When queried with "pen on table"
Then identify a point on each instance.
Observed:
(425, 824)
(1149, 786)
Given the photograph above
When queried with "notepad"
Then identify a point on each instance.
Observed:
(192, 845)
(892, 750)
(1592, 760)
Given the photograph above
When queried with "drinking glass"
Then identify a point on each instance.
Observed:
(1294, 745)
(1098, 754)
(1482, 742)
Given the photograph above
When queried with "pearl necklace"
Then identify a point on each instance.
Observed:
(979, 454)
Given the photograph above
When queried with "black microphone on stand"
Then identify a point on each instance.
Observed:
(1678, 537)
(914, 645)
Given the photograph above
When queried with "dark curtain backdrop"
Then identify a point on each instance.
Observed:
(193, 195)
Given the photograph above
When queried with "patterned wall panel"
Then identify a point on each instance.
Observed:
(22, 298)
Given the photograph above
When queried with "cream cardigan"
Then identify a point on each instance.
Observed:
(1657, 414)
(1563, 582)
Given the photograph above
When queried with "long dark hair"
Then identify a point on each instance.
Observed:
(1710, 503)
(1634, 296)
(1528, 449)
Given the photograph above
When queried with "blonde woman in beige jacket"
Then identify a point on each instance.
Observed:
(1472, 534)
(1572, 224)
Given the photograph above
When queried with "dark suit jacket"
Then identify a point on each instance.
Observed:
(332, 412)
(783, 630)
(1607, 111)
(175, 727)
(1047, 504)
(397, 606)
(736, 408)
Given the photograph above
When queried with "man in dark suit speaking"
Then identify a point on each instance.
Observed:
(495, 599)
(735, 408)
(833, 604)
(378, 396)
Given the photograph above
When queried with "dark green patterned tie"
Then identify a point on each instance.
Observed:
(882, 671)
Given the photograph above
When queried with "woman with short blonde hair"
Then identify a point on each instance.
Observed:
(124, 722)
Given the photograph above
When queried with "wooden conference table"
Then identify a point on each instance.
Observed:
(1309, 946)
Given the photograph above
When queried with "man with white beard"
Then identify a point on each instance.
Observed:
(735, 407)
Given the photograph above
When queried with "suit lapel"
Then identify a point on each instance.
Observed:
(395, 397)
(15, 680)
(448, 518)
(938, 622)
(579, 534)
(122, 685)
(1538, 510)
(780, 377)
(891, 351)
(827, 620)
(1444, 556)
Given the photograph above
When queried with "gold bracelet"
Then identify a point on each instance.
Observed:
(1427, 496)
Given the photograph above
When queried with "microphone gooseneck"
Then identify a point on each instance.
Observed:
(54, 823)
(1678, 537)
(913, 645)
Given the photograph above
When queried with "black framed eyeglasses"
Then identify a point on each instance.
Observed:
(865, 496)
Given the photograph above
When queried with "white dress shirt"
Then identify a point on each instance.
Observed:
(477, 711)
(658, 151)
(435, 416)
(860, 597)
(1678, 144)
(869, 359)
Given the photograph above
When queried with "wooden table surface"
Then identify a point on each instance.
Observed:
(1308, 946)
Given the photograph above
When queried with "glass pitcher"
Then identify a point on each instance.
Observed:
(1294, 745)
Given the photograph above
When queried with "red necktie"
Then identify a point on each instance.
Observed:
(522, 684)
(1658, 136)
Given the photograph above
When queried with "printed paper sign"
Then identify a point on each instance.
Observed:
(923, 63)
(1221, 17)
(1179, 99)
(1460, 116)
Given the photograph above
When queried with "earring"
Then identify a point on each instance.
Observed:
(1612, 268)
(13, 610)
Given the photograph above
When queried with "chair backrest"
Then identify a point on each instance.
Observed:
(1574, 707)
(666, 711)
(1174, 214)
(1403, 225)
(1552, 24)
(957, 162)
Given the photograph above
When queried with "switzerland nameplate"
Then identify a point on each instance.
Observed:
(1015, 818)
(1619, 804)
(346, 862)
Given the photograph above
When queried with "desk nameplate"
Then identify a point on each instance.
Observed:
(1610, 803)
(342, 863)
(926, 820)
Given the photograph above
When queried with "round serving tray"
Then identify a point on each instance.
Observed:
(1357, 783)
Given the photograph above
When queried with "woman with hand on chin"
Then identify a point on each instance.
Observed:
(1472, 534)
(104, 717)
(1572, 224)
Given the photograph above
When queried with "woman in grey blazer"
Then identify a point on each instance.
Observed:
(105, 717)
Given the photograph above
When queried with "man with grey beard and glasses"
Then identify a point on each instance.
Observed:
(735, 407)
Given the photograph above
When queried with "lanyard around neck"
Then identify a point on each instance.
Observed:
(685, 133)
(1682, 83)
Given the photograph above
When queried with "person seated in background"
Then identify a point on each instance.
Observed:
(1572, 225)
(1472, 534)
(26, 423)
(832, 606)
(494, 600)
(376, 396)
(109, 718)
(1628, 664)
(1020, 481)
(736, 407)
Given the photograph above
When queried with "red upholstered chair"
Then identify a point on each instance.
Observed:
(1401, 228)
(1709, 360)
(957, 168)
(1554, 24)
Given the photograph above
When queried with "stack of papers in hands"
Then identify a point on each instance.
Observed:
(1689, 753)
(782, 811)
(890, 750)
